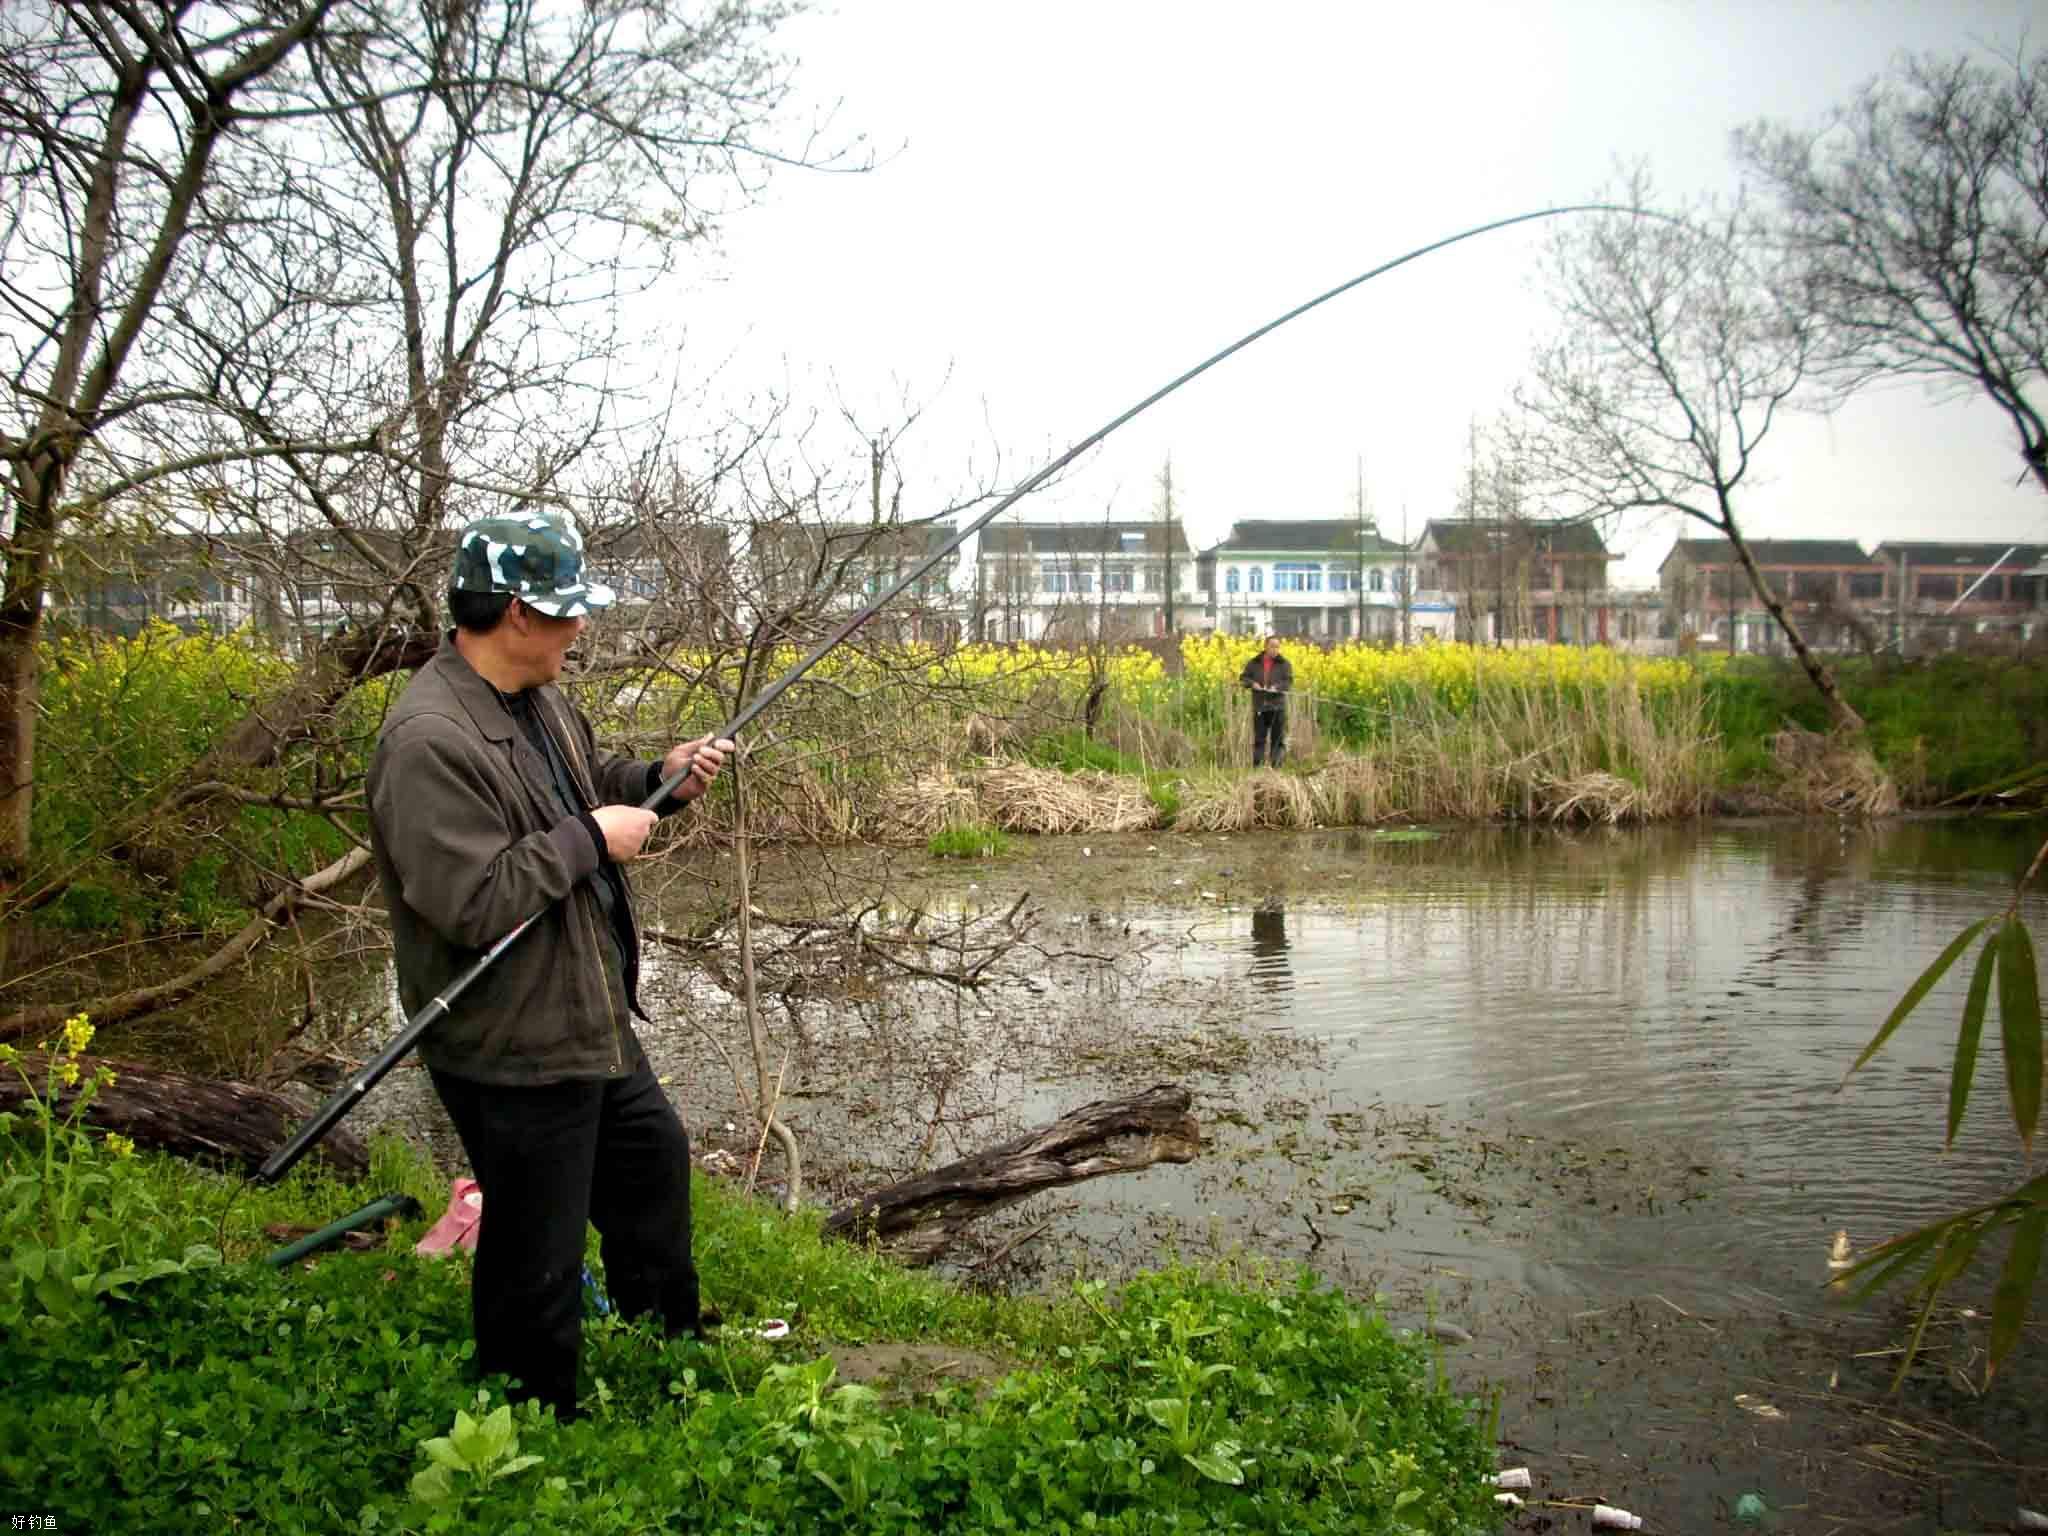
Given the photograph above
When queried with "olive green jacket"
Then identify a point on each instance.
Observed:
(470, 841)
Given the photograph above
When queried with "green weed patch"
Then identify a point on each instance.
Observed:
(969, 840)
(338, 1397)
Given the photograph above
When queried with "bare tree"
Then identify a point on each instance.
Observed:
(1916, 223)
(1168, 518)
(115, 126)
(1676, 354)
(351, 268)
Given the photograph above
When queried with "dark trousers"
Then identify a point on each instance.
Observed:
(549, 1160)
(1269, 735)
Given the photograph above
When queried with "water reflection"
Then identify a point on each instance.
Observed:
(1698, 990)
(1270, 972)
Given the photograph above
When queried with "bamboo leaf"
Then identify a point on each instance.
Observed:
(1916, 992)
(1919, 1328)
(1968, 1038)
(2015, 1286)
(1951, 1261)
(2019, 1021)
(1884, 1263)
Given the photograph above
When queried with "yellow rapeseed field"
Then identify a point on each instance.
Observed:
(1450, 674)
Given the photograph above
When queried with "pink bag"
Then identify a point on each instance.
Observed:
(461, 1224)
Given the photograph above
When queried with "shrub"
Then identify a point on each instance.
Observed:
(73, 1229)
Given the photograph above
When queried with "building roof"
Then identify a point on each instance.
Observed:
(1775, 552)
(1304, 536)
(1922, 552)
(1479, 536)
(1070, 539)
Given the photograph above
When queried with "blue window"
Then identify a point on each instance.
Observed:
(1297, 576)
(1379, 580)
(1230, 579)
(1258, 578)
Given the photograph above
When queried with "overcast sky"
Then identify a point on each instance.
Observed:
(1078, 201)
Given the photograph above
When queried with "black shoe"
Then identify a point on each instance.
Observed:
(709, 1320)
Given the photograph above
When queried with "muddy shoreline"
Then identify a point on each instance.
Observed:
(1669, 1388)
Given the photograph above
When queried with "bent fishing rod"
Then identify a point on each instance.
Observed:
(372, 1072)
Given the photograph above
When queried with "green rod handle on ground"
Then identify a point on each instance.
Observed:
(334, 1231)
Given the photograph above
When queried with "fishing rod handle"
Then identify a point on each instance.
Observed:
(346, 1097)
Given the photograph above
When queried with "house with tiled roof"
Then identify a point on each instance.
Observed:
(1324, 578)
(1906, 592)
(1521, 579)
(1833, 590)
(1953, 590)
(1106, 579)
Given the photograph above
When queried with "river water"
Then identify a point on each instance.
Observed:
(1577, 1093)
(1694, 997)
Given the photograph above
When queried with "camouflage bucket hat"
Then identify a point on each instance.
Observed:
(537, 559)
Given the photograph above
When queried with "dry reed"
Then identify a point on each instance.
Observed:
(1596, 796)
(926, 804)
(1020, 798)
(1261, 799)
(1353, 792)
(1832, 775)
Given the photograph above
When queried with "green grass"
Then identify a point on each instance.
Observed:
(1164, 791)
(1074, 752)
(1942, 726)
(240, 1397)
(968, 840)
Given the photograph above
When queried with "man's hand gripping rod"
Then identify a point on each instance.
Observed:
(351, 1093)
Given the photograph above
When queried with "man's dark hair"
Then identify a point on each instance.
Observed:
(478, 612)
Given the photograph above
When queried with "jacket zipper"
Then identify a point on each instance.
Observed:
(597, 941)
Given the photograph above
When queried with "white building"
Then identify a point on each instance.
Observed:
(1083, 580)
(1327, 579)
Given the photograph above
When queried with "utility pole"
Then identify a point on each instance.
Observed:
(1902, 605)
(1358, 572)
(1407, 587)
(1729, 597)
(1166, 513)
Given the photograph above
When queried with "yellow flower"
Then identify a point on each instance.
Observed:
(103, 1077)
(8, 1055)
(77, 1033)
(67, 1072)
(120, 1145)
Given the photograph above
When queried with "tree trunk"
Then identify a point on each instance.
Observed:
(27, 537)
(233, 1124)
(341, 663)
(139, 1001)
(919, 1218)
(20, 630)
(1846, 719)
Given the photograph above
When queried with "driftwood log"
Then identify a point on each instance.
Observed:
(228, 1123)
(918, 1219)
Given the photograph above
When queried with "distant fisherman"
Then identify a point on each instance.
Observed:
(1270, 676)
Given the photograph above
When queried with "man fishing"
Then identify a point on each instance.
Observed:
(490, 802)
(1269, 675)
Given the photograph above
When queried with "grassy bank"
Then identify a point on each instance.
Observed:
(336, 1396)
(902, 746)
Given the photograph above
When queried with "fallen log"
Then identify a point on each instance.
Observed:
(918, 1219)
(207, 1119)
